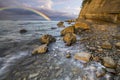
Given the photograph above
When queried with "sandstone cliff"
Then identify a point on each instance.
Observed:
(106, 10)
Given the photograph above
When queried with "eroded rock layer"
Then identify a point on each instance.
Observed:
(105, 10)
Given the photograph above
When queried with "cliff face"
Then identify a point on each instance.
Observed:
(107, 10)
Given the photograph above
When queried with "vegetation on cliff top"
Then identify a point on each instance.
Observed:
(85, 1)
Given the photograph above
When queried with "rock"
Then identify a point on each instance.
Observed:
(111, 70)
(109, 62)
(99, 10)
(100, 50)
(69, 38)
(82, 25)
(33, 75)
(83, 56)
(23, 31)
(101, 72)
(40, 50)
(106, 45)
(96, 58)
(47, 39)
(53, 27)
(60, 24)
(69, 29)
(68, 55)
(92, 48)
(116, 36)
(117, 45)
(59, 72)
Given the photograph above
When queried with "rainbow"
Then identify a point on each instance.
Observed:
(30, 9)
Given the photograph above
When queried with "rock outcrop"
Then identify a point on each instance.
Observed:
(105, 10)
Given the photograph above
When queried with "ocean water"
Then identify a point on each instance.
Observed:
(9, 34)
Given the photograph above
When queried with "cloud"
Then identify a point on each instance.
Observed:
(47, 4)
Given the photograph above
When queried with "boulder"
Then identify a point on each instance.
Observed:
(23, 31)
(83, 56)
(68, 55)
(40, 50)
(106, 45)
(69, 29)
(82, 25)
(60, 24)
(116, 36)
(47, 39)
(69, 38)
(117, 45)
(109, 62)
(100, 72)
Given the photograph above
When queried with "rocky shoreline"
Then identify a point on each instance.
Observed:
(81, 60)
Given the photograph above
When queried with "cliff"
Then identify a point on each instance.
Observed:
(106, 10)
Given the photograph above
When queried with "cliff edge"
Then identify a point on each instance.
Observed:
(105, 10)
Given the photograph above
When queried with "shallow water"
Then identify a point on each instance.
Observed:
(14, 41)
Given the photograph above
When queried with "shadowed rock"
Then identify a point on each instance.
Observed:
(60, 24)
(69, 29)
(69, 38)
(109, 62)
(47, 39)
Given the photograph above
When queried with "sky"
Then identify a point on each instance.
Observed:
(61, 7)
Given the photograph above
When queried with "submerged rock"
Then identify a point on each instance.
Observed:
(23, 31)
(106, 45)
(40, 50)
(83, 56)
(69, 29)
(69, 38)
(109, 62)
(60, 24)
(47, 39)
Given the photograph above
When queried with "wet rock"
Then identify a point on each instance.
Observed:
(60, 24)
(69, 29)
(100, 50)
(96, 58)
(117, 45)
(23, 31)
(116, 36)
(82, 26)
(59, 72)
(92, 48)
(100, 72)
(33, 75)
(83, 56)
(40, 50)
(69, 38)
(111, 70)
(47, 39)
(106, 45)
(109, 62)
(53, 27)
(68, 55)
